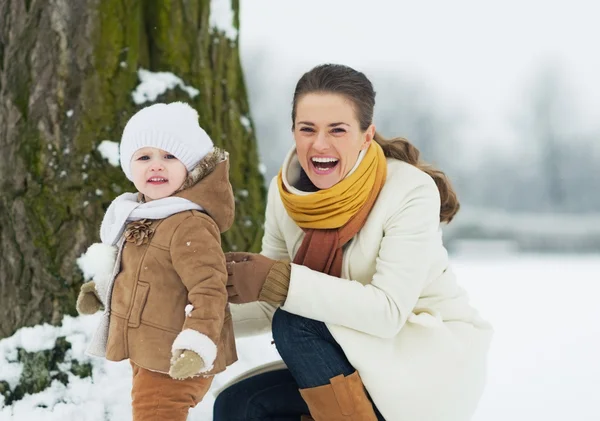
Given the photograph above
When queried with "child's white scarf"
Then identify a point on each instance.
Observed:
(126, 208)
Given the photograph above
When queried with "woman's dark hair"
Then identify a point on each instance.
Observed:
(354, 85)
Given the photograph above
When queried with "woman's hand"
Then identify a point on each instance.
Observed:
(247, 273)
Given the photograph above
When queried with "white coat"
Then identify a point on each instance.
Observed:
(397, 310)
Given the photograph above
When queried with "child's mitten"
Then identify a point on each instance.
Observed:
(88, 301)
(185, 364)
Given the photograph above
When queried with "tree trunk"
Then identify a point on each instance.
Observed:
(67, 72)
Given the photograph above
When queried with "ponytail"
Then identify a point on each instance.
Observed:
(401, 149)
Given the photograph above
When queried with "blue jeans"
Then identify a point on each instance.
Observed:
(312, 356)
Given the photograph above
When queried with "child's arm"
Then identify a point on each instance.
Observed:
(98, 266)
(200, 263)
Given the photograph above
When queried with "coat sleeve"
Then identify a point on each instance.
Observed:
(255, 318)
(200, 263)
(273, 243)
(411, 237)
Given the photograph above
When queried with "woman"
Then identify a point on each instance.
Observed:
(368, 318)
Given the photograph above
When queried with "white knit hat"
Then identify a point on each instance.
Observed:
(171, 127)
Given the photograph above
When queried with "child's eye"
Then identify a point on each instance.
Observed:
(169, 156)
(143, 158)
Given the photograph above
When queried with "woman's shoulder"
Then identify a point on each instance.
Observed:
(404, 178)
(409, 174)
(408, 191)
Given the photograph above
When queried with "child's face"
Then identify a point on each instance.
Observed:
(157, 173)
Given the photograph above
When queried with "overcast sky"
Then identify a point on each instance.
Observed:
(476, 57)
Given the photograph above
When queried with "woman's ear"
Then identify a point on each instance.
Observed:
(369, 137)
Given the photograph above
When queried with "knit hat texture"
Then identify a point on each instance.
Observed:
(171, 127)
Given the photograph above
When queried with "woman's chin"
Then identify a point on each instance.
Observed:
(323, 182)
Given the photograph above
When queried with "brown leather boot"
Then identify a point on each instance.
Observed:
(343, 399)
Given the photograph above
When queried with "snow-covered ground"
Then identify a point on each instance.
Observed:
(544, 364)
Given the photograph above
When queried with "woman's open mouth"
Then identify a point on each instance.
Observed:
(324, 165)
(157, 181)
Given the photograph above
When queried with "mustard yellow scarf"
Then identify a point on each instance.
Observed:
(333, 207)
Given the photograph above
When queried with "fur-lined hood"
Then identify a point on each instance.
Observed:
(208, 186)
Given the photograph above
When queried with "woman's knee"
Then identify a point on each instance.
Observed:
(286, 326)
(227, 406)
(289, 328)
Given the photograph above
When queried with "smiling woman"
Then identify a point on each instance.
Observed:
(368, 317)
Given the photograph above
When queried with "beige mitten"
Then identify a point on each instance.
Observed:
(88, 301)
(184, 364)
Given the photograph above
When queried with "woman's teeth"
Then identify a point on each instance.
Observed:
(324, 164)
(316, 159)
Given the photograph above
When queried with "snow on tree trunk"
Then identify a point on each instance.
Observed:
(68, 71)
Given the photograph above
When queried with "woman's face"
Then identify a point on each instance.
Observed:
(328, 137)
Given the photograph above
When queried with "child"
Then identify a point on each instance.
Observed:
(165, 298)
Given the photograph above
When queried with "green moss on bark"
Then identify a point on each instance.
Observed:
(67, 185)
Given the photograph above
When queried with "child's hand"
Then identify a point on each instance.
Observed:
(88, 301)
(184, 364)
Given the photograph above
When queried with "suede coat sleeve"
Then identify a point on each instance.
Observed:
(200, 262)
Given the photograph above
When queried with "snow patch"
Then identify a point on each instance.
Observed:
(221, 18)
(109, 150)
(245, 121)
(262, 168)
(153, 84)
(40, 338)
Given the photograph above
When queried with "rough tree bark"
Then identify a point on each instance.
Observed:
(67, 71)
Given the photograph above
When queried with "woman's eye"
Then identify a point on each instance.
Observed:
(169, 156)
(143, 158)
(307, 129)
(338, 130)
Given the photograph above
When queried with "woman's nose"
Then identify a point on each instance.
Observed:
(321, 142)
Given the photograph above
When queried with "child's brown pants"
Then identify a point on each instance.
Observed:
(158, 397)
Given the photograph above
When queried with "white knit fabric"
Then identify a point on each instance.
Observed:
(171, 127)
(127, 208)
